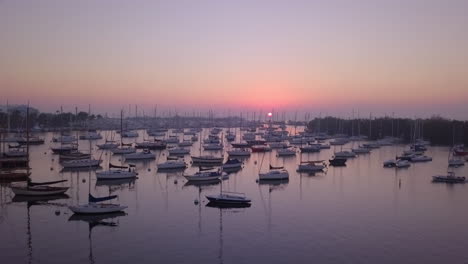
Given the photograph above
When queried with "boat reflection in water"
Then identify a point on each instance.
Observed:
(36, 201)
(96, 220)
(227, 206)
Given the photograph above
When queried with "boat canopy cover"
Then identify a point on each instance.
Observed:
(93, 199)
(127, 144)
(276, 168)
(44, 183)
(232, 161)
(116, 166)
(205, 168)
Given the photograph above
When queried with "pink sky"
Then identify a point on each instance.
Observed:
(330, 56)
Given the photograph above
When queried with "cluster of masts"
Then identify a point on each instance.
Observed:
(212, 167)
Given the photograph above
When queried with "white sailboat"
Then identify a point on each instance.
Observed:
(94, 205)
(172, 165)
(206, 175)
(117, 172)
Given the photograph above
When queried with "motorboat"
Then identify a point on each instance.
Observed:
(449, 178)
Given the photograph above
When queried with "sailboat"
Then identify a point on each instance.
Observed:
(454, 160)
(95, 207)
(124, 148)
(275, 173)
(206, 159)
(117, 172)
(208, 174)
(228, 197)
(36, 188)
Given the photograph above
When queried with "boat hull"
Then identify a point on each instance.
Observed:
(97, 208)
(38, 190)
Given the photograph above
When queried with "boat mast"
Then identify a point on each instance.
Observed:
(27, 143)
(121, 127)
(8, 119)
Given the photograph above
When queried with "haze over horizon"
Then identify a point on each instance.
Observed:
(409, 58)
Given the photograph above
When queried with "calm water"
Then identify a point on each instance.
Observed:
(361, 213)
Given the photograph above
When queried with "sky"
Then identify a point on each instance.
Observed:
(404, 57)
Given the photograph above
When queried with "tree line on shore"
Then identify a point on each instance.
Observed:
(49, 120)
(437, 130)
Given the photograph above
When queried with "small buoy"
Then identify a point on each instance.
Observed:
(175, 181)
(57, 212)
(149, 169)
(255, 162)
(256, 180)
(45, 152)
(84, 180)
(51, 168)
(196, 201)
